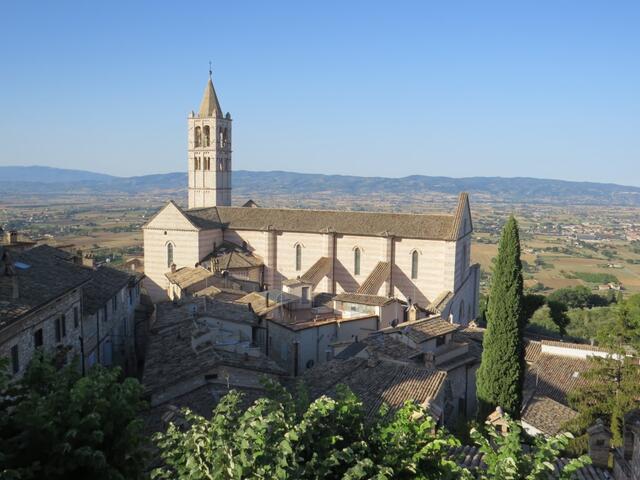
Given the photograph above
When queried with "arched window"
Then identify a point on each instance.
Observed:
(298, 258)
(197, 140)
(414, 264)
(207, 136)
(356, 261)
(169, 254)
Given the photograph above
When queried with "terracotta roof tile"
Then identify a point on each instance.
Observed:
(375, 385)
(362, 299)
(187, 276)
(546, 414)
(317, 271)
(376, 278)
(427, 226)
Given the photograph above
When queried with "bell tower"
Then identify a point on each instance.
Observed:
(209, 153)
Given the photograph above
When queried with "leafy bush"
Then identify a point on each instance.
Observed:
(56, 424)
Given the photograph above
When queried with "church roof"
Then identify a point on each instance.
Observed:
(210, 107)
(406, 225)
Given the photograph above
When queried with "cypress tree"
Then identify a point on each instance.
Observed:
(500, 376)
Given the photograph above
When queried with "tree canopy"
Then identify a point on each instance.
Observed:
(500, 376)
(56, 424)
(278, 437)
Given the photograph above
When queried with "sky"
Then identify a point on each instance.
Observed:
(547, 89)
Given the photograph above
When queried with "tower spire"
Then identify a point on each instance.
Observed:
(210, 107)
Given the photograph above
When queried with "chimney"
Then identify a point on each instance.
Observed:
(11, 237)
(88, 260)
(599, 443)
(429, 359)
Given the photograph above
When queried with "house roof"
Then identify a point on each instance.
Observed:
(264, 302)
(382, 346)
(363, 299)
(424, 329)
(187, 276)
(41, 275)
(376, 278)
(406, 225)
(376, 383)
(438, 304)
(554, 376)
(546, 414)
(173, 367)
(105, 283)
(317, 271)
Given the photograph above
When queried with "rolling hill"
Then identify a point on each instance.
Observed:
(46, 180)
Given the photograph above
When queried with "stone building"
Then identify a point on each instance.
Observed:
(412, 257)
(53, 300)
(40, 305)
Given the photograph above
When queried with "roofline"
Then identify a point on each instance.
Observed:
(171, 202)
(43, 304)
(319, 323)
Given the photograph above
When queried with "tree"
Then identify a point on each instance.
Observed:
(328, 439)
(613, 382)
(56, 424)
(279, 438)
(500, 376)
(508, 457)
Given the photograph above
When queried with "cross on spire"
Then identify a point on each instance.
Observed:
(210, 71)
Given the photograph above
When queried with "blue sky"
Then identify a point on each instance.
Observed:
(543, 89)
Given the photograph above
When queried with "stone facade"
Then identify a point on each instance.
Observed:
(57, 324)
(429, 255)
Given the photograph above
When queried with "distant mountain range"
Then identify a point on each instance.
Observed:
(46, 180)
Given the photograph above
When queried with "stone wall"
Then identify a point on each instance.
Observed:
(22, 332)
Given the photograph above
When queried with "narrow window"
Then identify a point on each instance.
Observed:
(198, 137)
(130, 297)
(414, 265)
(298, 258)
(114, 303)
(63, 325)
(169, 255)
(440, 341)
(58, 330)
(38, 338)
(356, 261)
(207, 135)
(76, 317)
(305, 294)
(105, 316)
(15, 359)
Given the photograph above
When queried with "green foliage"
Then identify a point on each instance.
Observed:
(530, 303)
(578, 297)
(542, 322)
(55, 424)
(508, 458)
(329, 439)
(500, 376)
(595, 277)
(613, 382)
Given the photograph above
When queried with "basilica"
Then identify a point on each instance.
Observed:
(421, 261)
